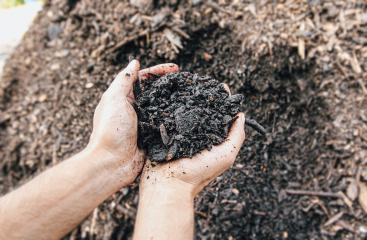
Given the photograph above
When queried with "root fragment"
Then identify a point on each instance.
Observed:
(252, 123)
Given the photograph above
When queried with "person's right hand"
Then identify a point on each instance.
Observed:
(191, 175)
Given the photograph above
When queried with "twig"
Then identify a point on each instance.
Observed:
(252, 123)
(334, 218)
(341, 68)
(313, 193)
(204, 78)
(155, 75)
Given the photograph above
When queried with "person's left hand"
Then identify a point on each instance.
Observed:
(115, 124)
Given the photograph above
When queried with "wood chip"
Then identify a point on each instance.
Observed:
(352, 190)
(89, 85)
(301, 43)
(346, 200)
(355, 63)
(333, 219)
(207, 56)
(235, 191)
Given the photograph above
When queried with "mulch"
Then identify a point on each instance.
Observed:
(301, 66)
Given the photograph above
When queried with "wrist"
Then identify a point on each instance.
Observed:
(164, 212)
(154, 185)
(166, 195)
(103, 166)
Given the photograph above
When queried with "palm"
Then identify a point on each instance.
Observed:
(197, 172)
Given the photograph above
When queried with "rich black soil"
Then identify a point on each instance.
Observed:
(181, 114)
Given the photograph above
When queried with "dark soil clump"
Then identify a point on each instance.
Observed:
(181, 114)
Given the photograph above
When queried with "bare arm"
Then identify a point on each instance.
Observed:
(56, 201)
(165, 213)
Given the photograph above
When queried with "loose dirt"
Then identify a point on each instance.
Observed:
(181, 114)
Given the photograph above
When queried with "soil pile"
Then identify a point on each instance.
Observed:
(301, 67)
(181, 114)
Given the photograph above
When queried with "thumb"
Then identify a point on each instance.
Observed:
(237, 132)
(126, 78)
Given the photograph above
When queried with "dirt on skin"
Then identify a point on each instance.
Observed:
(181, 114)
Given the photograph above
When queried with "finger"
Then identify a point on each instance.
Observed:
(161, 69)
(225, 153)
(125, 79)
(237, 132)
(227, 88)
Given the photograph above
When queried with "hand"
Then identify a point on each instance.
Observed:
(191, 175)
(115, 124)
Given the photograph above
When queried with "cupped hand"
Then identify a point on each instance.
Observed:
(187, 175)
(115, 123)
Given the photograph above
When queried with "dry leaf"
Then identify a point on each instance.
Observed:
(362, 197)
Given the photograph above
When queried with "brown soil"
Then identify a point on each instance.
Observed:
(301, 67)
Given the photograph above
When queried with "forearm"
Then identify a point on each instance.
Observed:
(56, 201)
(164, 214)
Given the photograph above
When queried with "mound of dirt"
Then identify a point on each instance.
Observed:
(181, 114)
(301, 67)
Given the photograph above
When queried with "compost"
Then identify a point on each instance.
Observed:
(301, 67)
(181, 114)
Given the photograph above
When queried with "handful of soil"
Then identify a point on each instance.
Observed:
(181, 114)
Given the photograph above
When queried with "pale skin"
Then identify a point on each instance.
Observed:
(56, 201)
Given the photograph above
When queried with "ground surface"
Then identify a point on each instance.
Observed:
(300, 65)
